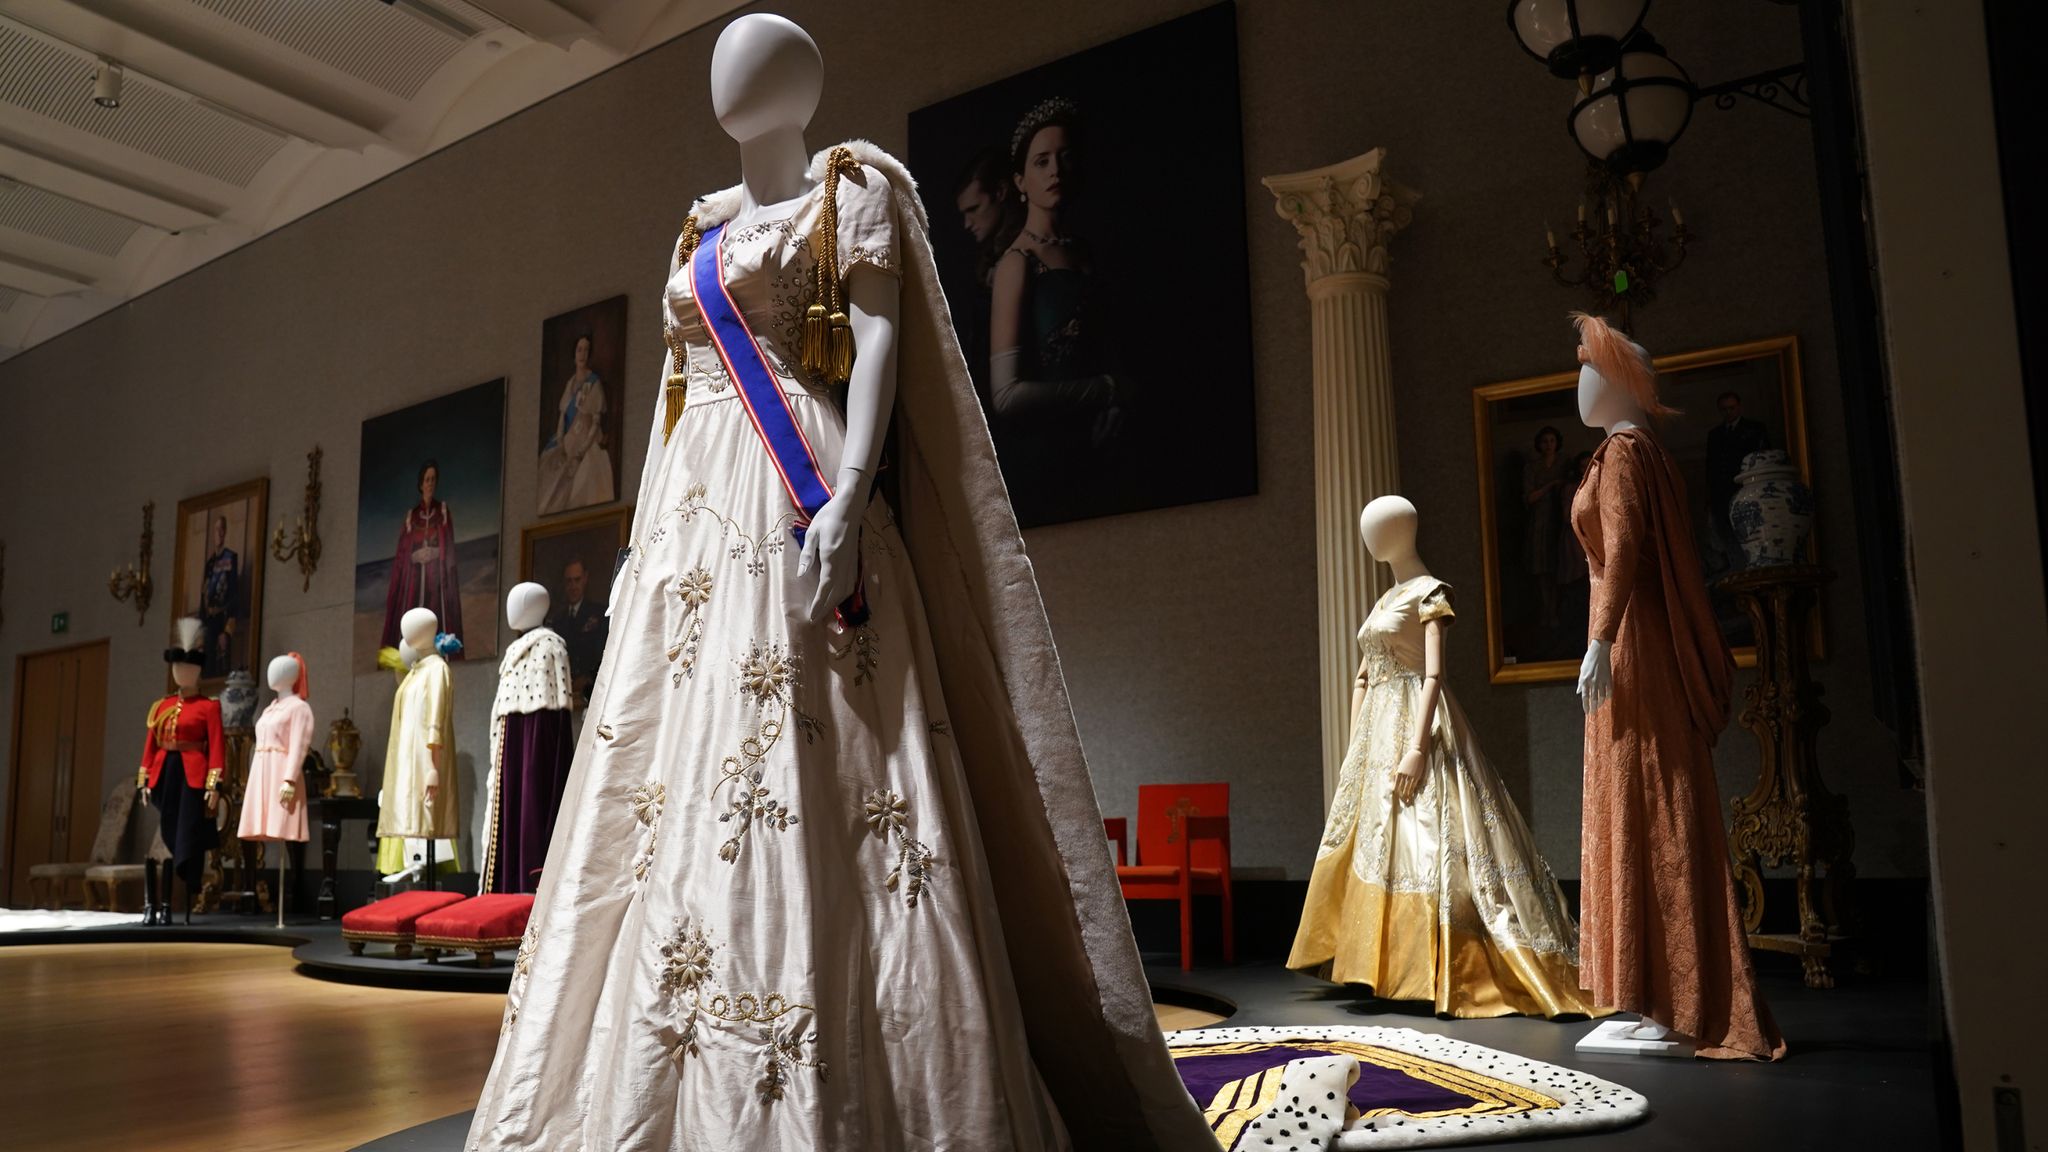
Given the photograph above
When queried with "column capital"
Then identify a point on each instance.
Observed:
(1345, 212)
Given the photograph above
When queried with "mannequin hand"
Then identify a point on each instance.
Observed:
(212, 801)
(287, 797)
(1596, 676)
(832, 550)
(433, 784)
(1408, 777)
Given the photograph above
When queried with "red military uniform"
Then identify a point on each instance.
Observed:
(189, 725)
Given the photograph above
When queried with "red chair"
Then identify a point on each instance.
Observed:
(1183, 852)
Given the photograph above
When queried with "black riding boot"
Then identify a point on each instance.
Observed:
(149, 893)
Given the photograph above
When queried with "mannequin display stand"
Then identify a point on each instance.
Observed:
(1626, 1037)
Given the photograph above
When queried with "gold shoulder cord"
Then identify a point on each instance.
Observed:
(677, 390)
(828, 334)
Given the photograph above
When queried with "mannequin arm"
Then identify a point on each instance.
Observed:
(1408, 777)
(832, 543)
(434, 773)
(1623, 528)
(1358, 693)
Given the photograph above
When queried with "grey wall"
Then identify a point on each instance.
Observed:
(1187, 634)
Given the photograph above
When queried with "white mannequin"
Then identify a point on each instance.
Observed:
(766, 80)
(1387, 525)
(284, 677)
(417, 628)
(1608, 406)
(526, 606)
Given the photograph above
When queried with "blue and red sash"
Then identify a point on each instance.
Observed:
(767, 407)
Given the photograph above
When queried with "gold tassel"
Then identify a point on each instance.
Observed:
(828, 335)
(817, 335)
(676, 391)
(841, 369)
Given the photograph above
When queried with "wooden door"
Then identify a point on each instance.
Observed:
(60, 721)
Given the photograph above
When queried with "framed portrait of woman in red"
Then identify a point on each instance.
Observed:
(428, 510)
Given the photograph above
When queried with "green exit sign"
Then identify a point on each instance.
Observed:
(60, 622)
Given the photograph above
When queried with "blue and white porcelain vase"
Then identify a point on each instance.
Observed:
(238, 701)
(1772, 513)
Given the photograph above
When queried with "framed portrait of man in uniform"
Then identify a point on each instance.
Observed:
(217, 576)
(573, 559)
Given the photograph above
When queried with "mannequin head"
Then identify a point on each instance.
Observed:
(407, 654)
(418, 626)
(766, 77)
(1388, 527)
(526, 606)
(1617, 381)
(285, 674)
(186, 655)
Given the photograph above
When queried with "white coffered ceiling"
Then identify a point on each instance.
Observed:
(238, 116)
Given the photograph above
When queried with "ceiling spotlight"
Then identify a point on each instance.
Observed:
(106, 84)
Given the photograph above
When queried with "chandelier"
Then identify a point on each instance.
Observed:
(1633, 103)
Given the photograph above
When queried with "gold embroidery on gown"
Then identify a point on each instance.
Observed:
(1445, 899)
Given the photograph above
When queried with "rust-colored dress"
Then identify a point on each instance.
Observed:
(1660, 933)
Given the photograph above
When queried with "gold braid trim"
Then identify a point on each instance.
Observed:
(677, 390)
(828, 334)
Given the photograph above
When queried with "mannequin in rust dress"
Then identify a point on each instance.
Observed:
(1660, 933)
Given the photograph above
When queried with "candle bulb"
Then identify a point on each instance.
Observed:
(1582, 210)
(1549, 237)
(1677, 217)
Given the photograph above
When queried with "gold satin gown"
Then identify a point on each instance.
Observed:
(1444, 899)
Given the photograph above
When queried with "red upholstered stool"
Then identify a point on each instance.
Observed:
(485, 925)
(394, 920)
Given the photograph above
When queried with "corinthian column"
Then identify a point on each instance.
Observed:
(1346, 213)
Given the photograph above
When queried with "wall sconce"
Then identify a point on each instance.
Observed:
(303, 541)
(131, 581)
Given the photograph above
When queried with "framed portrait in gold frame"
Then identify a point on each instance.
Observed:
(573, 558)
(1532, 449)
(217, 576)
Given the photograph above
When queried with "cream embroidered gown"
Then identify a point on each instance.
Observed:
(765, 921)
(1445, 899)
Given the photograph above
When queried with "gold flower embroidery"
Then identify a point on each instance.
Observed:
(864, 647)
(522, 969)
(754, 549)
(766, 674)
(685, 959)
(647, 801)
(888, 816)
(687, 979)
(767, 677)
(694, 590)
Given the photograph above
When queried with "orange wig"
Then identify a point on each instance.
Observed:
(1621, 360)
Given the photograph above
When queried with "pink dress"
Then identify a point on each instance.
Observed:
(283, 734)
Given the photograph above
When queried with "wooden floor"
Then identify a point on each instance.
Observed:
(211, 1047)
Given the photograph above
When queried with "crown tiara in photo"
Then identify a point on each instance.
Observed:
(1047, 109)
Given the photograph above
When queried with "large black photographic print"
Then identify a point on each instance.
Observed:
(1088, 223)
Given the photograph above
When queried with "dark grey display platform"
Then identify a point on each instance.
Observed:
(1859, 1074)
(316, 944)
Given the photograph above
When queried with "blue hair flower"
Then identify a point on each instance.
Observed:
(447, 644)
